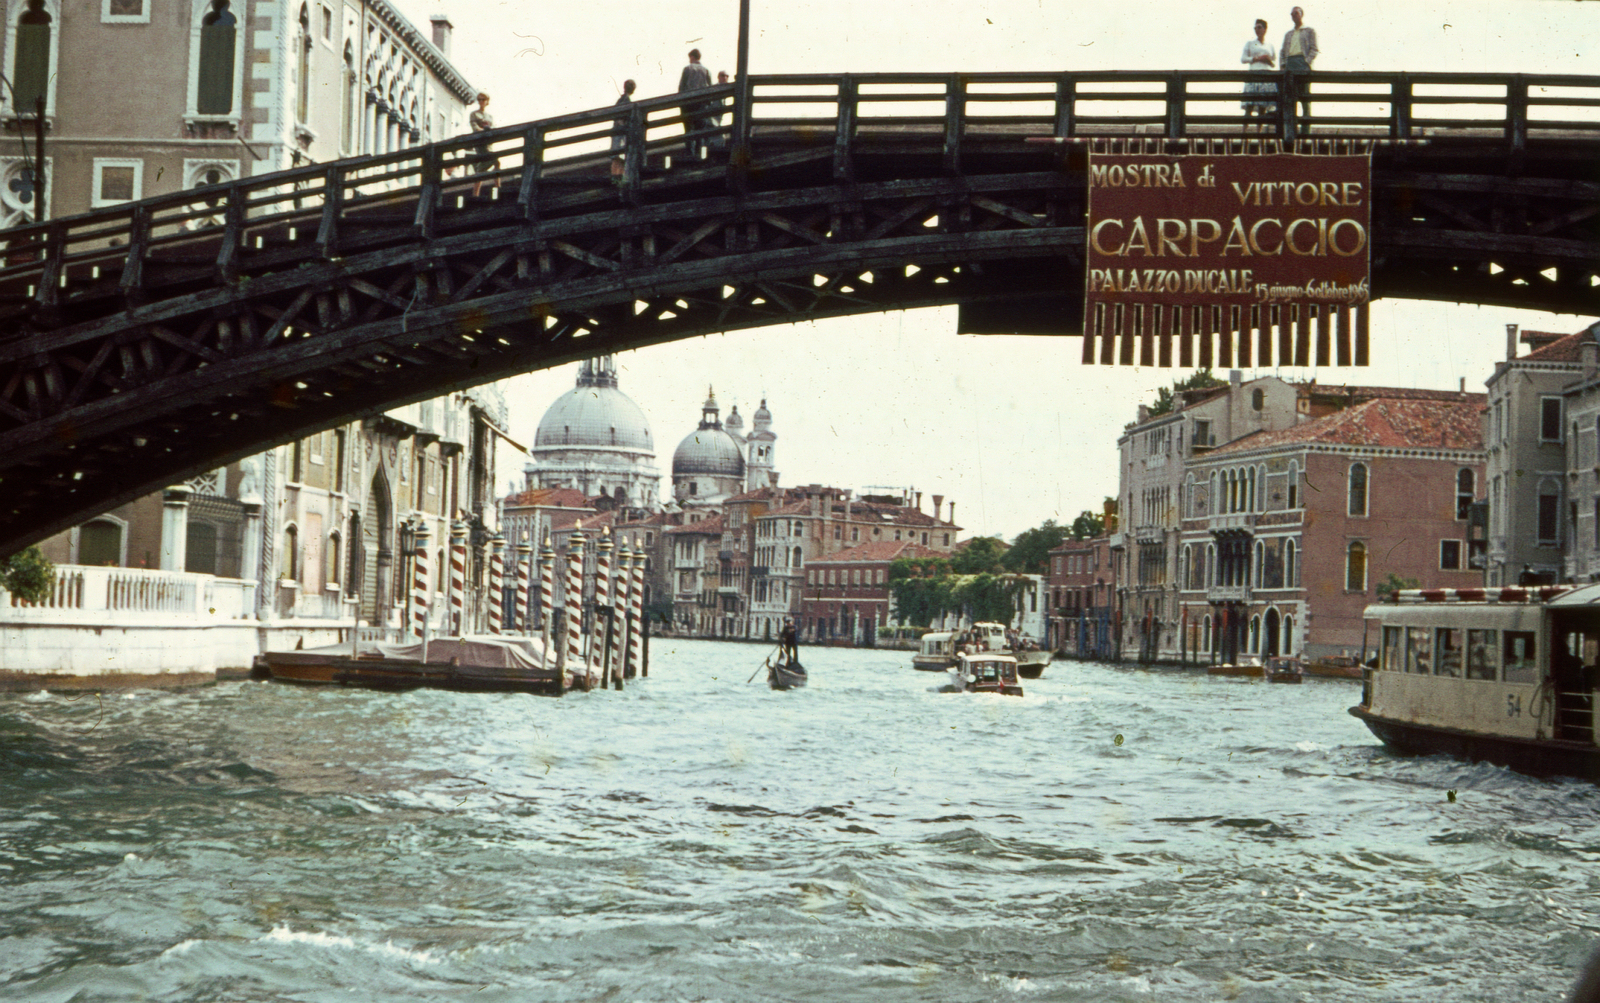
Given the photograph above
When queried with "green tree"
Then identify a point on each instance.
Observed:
(1394, 583)
(989, 597)
(1088, 525)
(1200, 379)
(28, 575)
(922, 589)
(981, 554)
(1030, 551)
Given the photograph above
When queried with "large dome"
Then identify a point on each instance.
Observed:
(708, 451)
(594, 413)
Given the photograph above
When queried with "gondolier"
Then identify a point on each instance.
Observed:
(788, 642)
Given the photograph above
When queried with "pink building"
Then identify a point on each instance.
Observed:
(1288, 534)
(1082, 590)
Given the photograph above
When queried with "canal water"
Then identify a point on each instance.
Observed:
(1114, 835)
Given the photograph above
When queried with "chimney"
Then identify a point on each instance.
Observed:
(441, 33)
(1588, 355)
(1511, 342)
(1463, 385)
(919, 501)
(952, 513)
(938, 503)
(1235, 378)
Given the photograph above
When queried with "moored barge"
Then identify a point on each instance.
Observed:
(1505, 676)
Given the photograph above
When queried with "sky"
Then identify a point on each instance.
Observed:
(1014, 430)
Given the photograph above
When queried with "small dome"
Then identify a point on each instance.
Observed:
(594, 415)
(708, 451)
(735, 423)
(763, 417)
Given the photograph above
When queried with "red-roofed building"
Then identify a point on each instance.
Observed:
(847, 593)
(696, 573)
(1286, 534)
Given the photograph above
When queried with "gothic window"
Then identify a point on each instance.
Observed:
(1293, 497)
(349, 102)
(291, 554)
(1358, 490)
(1258, 399)
(1355, 567)
(33, 52)
(1289, 568)
(218, 56)
(1465, 491)
(1288, 636)
(1260, 566)
(18, 191)
(302, 50)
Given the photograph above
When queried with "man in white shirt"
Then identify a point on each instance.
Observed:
(695, 77)
(1298, 53)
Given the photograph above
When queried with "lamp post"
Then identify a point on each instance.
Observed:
(34, 167)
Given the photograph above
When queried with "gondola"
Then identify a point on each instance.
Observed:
(789, 675)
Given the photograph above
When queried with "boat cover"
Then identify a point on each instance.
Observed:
(485, 651)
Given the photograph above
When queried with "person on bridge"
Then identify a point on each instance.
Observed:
(619, 128)
(481, 121)
(1299, 51)
(788, 642)
(1258, 55)
(694, 77)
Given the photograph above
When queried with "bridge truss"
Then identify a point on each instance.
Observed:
(145, 343)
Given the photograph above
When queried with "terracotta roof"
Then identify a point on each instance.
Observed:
(550, 498)
(1387, 422)
(1563, 349)
(792, 508)
(882, 550)
(711, 525)
(1393, 393)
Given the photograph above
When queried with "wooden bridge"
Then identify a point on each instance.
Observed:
(145, 343)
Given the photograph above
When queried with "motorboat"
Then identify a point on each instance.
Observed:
(938, 650)
(989, 672)
(1284, 669)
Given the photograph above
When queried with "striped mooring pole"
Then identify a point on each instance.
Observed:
(497, 545)
(419, 581)
(458, 576)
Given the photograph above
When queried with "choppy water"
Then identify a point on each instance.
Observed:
(697, 838)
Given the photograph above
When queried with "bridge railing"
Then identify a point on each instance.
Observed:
(272, 219)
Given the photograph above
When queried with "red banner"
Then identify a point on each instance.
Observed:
(1227, 257)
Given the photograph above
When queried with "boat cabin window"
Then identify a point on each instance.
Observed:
(1483, 650)
(1521, 657)
(1394, 652)
(1447, 651)
(986, 671)
(1419, 650)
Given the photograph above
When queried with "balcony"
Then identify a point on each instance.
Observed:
(1223, 522)
(1148, 534)
(758, 571)
(1228, 593)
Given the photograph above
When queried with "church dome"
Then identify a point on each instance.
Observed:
(763, 417)
(594, 413)
(708, 450)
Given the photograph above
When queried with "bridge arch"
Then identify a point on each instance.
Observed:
(348, 288)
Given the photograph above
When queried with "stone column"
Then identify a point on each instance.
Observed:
(174, 527)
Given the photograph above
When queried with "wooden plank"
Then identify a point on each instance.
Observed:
(1341, 315)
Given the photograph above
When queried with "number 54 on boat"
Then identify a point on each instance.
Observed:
(1506, 676)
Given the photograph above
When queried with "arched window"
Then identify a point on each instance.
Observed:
(797, 558)
(331, 577)
(1250, 501)
(1355, 567)
(1261, 488)
(1209, 575)
(302, 66)
(1287, 647)
(1258, 399)
(1205, 643)
(349, 102)
(1258, 576)
(1255, 634)
(1213, 500)
(1293, 495)
(1466, 491)
(290, 563)
(218, 57)
(1358, 490)
(33, 50)
(100, 544)
(1289, 568)
(1188, 501)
